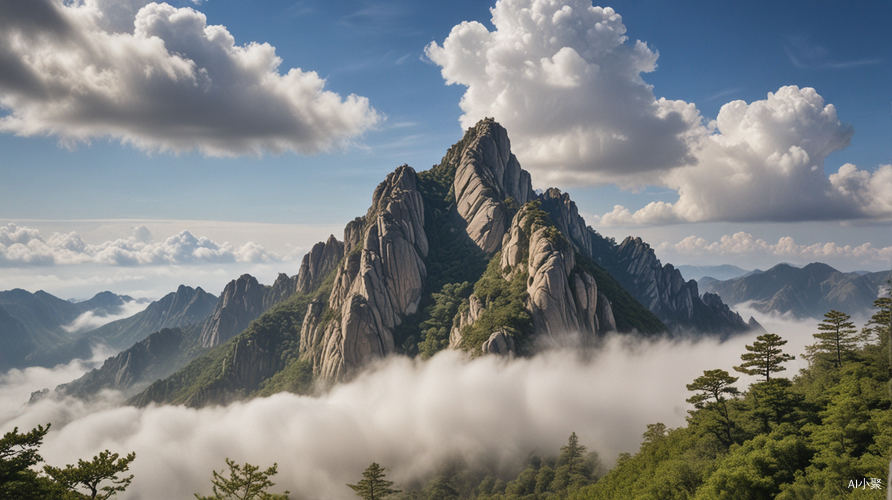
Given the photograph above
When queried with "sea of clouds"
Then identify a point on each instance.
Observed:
(410, 416)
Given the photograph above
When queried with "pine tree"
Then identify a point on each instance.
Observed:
(104, 467)
(836, 338)
(880, 323)
(18, 453)
(245, 482)
(764, 357)
(712, 387)
(571, 471)
(374, 486)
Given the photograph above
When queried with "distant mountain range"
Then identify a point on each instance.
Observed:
(808, 292)
(721, 272)
(35, 322)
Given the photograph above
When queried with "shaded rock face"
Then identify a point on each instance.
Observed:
(316, 264)
(563, 212)
(186, 306)
(665, 293)
(487, 174)
(282, 288)
(240, 303)
(128, 368)
(376, 285)
(659, 288)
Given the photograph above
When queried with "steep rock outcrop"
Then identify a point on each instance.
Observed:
(561, 299)
(320, 261)
(240, 303)
(563, 212)
(282, 288)
(464, 318)
(488, 174)
(665, 293)
(378, 283)
(500, 342)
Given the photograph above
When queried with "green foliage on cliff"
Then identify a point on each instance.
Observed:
(439, 316)
(503, 308)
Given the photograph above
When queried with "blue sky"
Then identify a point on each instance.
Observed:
(134, 155)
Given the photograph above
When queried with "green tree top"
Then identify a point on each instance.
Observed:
(712, 385)
(837, 337)
(764, 357)
(104, 467)
(245, 482)
(19, 451)
(880, 323)
(374, 486)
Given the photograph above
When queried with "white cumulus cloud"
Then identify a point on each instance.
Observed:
(565, 81)
(23, 246)
(743, 244)
(160, 78)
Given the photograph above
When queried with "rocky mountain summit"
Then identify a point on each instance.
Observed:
(463, 256)
(240, 303)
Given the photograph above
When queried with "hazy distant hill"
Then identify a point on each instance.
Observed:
(186, 306)
(808, 292)
(169, 349)
(131, 370)
(41, 321)
(722, 272)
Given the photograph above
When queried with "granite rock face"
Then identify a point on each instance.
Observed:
(240, 303)
(377, 284)
(563, 212)
(463, 319)
(316, 264)
(500, 342)
(488, 174)
(562, 300)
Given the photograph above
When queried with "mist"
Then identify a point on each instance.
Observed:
(90, 320)
(409, 416)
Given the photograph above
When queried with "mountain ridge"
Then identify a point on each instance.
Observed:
(392, 291)
(806, 292)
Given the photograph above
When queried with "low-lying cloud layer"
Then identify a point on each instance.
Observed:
(565, 81)
(22, 246)
(409, 416)
(90, 320)
(160, 78)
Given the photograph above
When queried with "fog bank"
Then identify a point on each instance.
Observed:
(409, 416)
